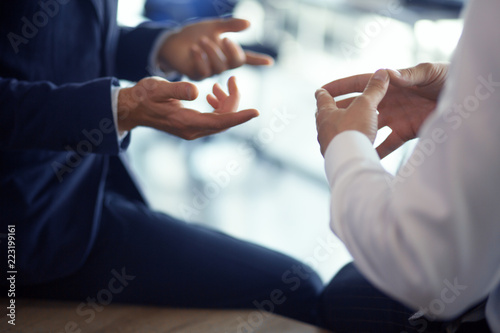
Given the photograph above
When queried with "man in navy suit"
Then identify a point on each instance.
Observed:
(82, 229)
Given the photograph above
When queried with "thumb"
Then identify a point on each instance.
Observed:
(374, 92)
(177, 90)
(231, 25)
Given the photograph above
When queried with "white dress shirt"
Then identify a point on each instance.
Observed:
(430, 235)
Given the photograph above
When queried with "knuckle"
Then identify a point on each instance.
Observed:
(150, 83)
(425, 66)
(139, 93)
(322, 109)
(411, 72)
(236, 63)
(218, 70)
(407, 72)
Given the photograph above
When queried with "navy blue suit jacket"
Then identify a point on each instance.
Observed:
(58, 144)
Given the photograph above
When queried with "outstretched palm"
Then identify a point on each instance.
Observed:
(156, 103)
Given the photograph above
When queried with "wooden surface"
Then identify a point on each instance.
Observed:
(33, 316)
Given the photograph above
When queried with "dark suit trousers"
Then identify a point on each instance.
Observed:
(351, 304)
(145, 257)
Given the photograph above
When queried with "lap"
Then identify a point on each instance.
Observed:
(145, 257)
(350, 303)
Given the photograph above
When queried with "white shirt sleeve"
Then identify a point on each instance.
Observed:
(114, 105)
(429, 235)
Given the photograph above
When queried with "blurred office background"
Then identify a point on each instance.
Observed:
(264, 181)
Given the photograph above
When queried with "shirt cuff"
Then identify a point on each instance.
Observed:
(345, 147)
(347, 156)
(114, 106)
(154, 63)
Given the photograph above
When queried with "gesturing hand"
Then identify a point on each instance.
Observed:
(411, 97)
(198, 51)
(155, 102)
(360, 115)
(220, 101)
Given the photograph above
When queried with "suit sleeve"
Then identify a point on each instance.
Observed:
(134, 49)
(41, 115)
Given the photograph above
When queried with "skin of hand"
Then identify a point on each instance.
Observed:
(198, 51)
(411, 97)
(155, 102)
(360, 115)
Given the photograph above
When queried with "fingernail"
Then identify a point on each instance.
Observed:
(319, 91)
(395, 72)
(381, 75)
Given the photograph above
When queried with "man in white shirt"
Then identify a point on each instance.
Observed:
(428, 236)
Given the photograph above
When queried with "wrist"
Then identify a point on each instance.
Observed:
(160, 52)
(126, 110)
(164, 50)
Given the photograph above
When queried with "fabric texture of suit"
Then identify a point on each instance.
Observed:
(57, 134)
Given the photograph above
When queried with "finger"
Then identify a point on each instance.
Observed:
(258, 59)
(344, 103)
(231, 25)
(390, 144)
(422, 74)
(229, 103)
(232, 87)
(218, 92)
(324, 101)
(213, 101)
(176, 90)
(374, 92)
(202, 66)
(216, 58)
(234, 54)
(223, 121)
(348, 85)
